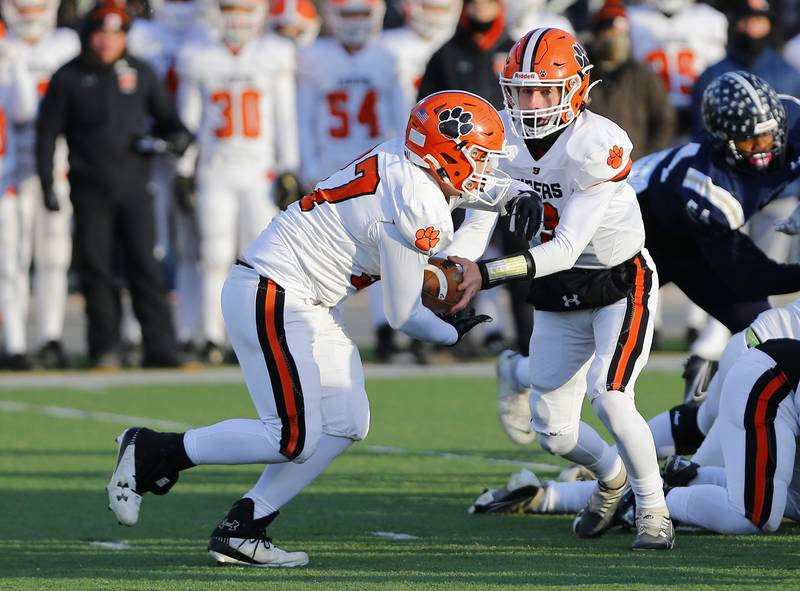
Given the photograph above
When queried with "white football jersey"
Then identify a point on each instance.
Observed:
(411, 53)
(327, 245)
(241, 106)
(18, 105)
(591, 215)
(42, 59)
(678, 48)
(347, 104)
(778, 323)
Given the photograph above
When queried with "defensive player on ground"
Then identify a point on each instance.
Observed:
(690, 428)
(594, 285)
(44, 232)
(429, 23)
(383, 215)
(158, 41)
(237, 94)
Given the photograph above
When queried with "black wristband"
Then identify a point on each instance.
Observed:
(502, 269)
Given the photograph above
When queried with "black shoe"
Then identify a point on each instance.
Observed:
(108, 361)
(18, 362)
(52, 356)
(384, 346)
(678, 471)
(212, 354)
(420, 352)
(241, 540)
(163, 360)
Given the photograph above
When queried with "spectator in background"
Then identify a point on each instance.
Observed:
(473, 58)
(750, 47)
(629, 94)
(105, 103)
(524, 15)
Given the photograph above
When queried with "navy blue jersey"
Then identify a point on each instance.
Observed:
(693, 179)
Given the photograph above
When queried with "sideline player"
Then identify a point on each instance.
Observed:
(237, 94)
(594, 285)
(295, 20)
(381, 216)
(44, 234)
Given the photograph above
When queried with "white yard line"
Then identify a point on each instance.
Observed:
(112, 545)
(66, 412)
(91, 381)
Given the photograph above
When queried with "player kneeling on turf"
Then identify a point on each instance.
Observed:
(382, 216)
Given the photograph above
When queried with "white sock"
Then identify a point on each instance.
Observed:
(566, 497)
(235, 441)
(280, 483)
(635, 444)
(595, 454)
(522, 371)
(707, 506)
(710, 451)
(661, 428)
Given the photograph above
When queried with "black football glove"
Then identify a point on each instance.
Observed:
(51, 201)
(525, 212)
(185, 193)
(287, 189)
(464, 321)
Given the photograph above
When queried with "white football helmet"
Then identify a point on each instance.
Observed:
(241, 20)
(432, 19)
(30, 20)
(670, 7)
(176, 15)
(295, 19)
(354, 22)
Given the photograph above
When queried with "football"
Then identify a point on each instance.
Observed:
(440, 285)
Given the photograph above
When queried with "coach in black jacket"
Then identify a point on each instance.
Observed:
(114, 113)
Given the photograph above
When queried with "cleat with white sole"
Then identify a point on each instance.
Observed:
(241, 540)
(598, 514)
(524, 493)
(123, 498)
(513, 400)
(654, 530)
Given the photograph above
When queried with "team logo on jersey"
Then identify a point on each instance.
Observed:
(536, 170)
(615, 157)
(455, 123)
(427, 238)
(127, 78)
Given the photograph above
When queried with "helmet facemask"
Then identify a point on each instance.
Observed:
(760, 161)
(355, 24)
(241, 21)
(30, 20)
(486, 184)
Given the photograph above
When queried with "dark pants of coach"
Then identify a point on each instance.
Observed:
(120, 228)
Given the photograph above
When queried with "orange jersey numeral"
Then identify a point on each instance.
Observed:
(682, 71)
(365, 183)
(249, 109)
(367, 113)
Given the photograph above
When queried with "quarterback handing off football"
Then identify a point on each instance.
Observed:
(440, 285)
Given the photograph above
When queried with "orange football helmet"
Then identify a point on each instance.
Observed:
(459, 137)
(546, 58)
(295, 19)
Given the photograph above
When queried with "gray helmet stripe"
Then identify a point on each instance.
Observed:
(749, 89)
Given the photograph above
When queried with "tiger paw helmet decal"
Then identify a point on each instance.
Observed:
(453, 123)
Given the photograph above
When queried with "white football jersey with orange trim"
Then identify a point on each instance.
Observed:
(678, 48)
(412, 53)
(327, 245)
(241, 106)
(42, 59)
(18, 106)
(347, 104)
(588, 205)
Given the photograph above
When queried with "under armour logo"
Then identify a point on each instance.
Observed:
(229, 525)
(572, 301)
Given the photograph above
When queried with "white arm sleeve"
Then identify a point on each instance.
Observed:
(401, 284)
(287, 152)
(579, 222)
(473, 235)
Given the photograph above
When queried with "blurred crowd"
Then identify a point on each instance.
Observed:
(144, 146)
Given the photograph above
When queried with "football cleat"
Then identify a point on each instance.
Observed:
(513, 400)
(598, 514)
(678, 471)
(123, 499)
(523, 494)
(654, 530)
(241, 540)
(697, 374)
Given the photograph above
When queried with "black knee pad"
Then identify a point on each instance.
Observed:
(685, 432)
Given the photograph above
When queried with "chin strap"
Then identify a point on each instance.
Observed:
(503, 269)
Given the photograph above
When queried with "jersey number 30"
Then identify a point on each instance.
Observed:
(365, 183)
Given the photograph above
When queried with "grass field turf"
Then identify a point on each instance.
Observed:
(53, 472)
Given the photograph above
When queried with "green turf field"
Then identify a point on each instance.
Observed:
(53, 470)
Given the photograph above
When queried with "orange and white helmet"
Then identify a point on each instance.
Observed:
(30, 19)
(354, 22)
(546, 58)
(432, 19)
(241, 20)
(459, 137)
(294, 19)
